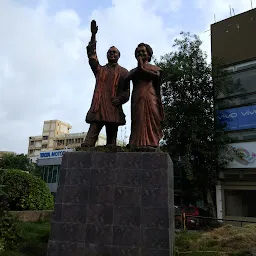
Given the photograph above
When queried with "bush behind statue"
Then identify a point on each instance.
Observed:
(27, 192)
(10, 233)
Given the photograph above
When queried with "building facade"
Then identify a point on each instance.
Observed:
(47, 149)
(233, 40)
(55, 136)
(50, 161)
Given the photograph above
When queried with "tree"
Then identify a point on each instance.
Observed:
(192, 135)
(20, 162)
(27, 192)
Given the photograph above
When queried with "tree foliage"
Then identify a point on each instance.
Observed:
(9, 231)
(19, 162)
(191, 134)
(27, 192)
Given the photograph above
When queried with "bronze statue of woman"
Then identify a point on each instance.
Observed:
(146, 106)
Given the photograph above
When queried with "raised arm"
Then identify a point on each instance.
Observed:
(152, 71)
(91, 49)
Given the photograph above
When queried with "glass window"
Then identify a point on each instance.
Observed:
(51, 173)
(245, 65)
(50, 176)
(45, 173)
(243, 135)
(249, 99)
(58, 173)
(247, 80)
(244, 82)
(54, 173)
(240, 203)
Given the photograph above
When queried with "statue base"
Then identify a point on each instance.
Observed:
(115, 149)
(114, 204)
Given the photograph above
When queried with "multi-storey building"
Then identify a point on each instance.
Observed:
(47, 149)
(234, 41)
(56, 136)
(46, 141)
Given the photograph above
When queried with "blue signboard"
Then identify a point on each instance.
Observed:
(53, 154)
(238, 118)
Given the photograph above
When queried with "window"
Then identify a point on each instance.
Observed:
(45, 137)
(45, 173)
(51, 173)
(243, 135)
(32, 142)
(244, 81)
(54, 174)
(236, 101)
(240, 203)
(246, 65)
(44, 146)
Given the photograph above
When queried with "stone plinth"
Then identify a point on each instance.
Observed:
(113, 204)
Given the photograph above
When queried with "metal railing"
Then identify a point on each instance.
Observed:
(183, 222)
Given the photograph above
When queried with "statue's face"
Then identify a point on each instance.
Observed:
(113, 55)
(142, 52)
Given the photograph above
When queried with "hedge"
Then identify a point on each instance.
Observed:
(27, 192)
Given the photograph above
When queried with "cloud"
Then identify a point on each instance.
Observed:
(44, 72)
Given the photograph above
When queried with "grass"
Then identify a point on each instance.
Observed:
(34, 240)
(225, 241)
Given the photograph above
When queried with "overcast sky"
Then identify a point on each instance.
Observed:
(44, 72)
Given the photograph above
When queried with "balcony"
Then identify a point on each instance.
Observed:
(71, 145)
(59, 147)
(35, 138)
(71, 135)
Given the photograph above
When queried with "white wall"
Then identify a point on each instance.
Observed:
(101, 141)
(219, 201)
(46, 127)
(53, 126)
(64, 129)
(33, 159)
(37, 152)
(50, 143)
(38, 143)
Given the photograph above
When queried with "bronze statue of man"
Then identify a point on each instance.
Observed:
(110, 93)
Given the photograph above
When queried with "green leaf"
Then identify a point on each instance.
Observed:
(192, 136)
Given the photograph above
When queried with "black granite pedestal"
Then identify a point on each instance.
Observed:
(113, 204)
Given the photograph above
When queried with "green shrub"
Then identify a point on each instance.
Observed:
(27, 192)
(9, 231)
(1, 245)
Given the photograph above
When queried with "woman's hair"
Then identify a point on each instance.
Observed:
(148, 48)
